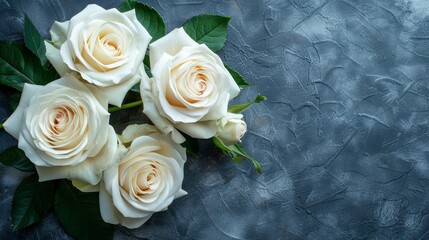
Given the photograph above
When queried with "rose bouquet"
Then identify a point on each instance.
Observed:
(82, 169)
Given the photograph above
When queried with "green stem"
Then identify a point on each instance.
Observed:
(1, 125)
(125, 106)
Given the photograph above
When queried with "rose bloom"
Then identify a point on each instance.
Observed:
(63, 128)
(190, 88)
(231, 128)
(147, 178)
(106, 47)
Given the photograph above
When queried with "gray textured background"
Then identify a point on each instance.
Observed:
(343, 139)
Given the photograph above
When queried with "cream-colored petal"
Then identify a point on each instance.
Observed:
(117, 92)
(54, 57)
(150, 109)
(86, 13)
(201, 130)
(69, 80)
(123, 206)
(134, 222)
(134, 131)
(219, 110)
(170, 44)
(107, 209)
(231, 86)
(89, 170)
(59, 33)
(26, 144)
(109, 174)
(231, 128)
(107, 71)
(144, 37)
(101, 97)
(14, 123)
(110, 213)
(180, 193)
(85, 187)
(161, 82)
(156, 161)
(66, 56)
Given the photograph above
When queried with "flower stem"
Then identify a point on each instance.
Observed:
(126, 106)
(1, 125)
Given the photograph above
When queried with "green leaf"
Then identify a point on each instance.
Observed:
(237, 149)
(79, 213)
(147, 16)
(15, 157)
(225, 149)
(146, 63)
(237, 153)
(237, 77)
(136, 88)
(31, 201)
(241, 107)
(13, 100)
(13, 96)
(34, 41)
(208, 29)
(19, 66)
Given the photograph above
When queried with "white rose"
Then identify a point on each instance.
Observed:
(63, 128)
(190, 88)
(146, 180)
(106, 47)
(231, 128)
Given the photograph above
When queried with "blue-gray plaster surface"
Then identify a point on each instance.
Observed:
(343, 138)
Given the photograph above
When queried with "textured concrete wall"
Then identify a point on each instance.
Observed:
(343, 139)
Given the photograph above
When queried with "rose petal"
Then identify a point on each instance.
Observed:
(180, 193)
(14, 122)
(134, 131)
(90, 170)
(150, 109)
(82, 51)
(54, 57)
(86, 13)
(134, 222)
(219, 110)
(146, 180)
(164, 45)
(231, 87)
(117, 92)
(59, 33)
(107, 209)
(124, 207)
(201, 130)
(85, 187)
(71, 82)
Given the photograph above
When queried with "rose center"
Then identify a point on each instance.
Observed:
(60, 119)
(104, 47)
(147, 180)
(110, 45)
(201, 84)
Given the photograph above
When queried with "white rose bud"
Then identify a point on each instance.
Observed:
(63, 128)
(105, 47)
(231, 128)
(147, 178)
(190, 88)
